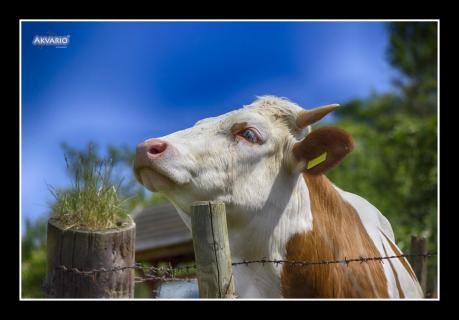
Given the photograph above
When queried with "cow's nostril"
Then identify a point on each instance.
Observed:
(157, 147)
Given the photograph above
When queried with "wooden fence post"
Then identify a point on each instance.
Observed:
(89, 250)
(419, 263)
(211, 248)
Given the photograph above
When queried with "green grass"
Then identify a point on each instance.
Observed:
(93, 202)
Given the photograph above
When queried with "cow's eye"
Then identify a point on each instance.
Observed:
(249, 135)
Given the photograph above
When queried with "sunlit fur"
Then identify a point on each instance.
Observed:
(267, 201)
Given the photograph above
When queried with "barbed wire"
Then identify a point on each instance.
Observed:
(169, 273)
(164, 273)
(161, 273)
(327, 262)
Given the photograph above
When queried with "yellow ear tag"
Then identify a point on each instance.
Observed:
(314, 162)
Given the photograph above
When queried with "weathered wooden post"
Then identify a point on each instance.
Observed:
(211, 248)
(90, 250)
(419, 263)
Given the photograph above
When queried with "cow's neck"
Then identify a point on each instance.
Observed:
(286, 213)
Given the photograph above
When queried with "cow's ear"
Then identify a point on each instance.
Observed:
(321, 150)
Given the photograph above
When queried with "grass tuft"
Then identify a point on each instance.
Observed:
(93, 202)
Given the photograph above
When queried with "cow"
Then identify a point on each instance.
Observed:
(268, 167)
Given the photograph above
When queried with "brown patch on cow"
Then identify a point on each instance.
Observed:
(238, 127)
(397, 281)
(337, 233)
(403, 260)
(335, 141)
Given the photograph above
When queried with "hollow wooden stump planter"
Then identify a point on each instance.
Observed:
(111, 249)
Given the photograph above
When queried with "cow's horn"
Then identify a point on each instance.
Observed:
(308, 117)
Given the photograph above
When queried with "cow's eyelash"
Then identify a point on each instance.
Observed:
(250, 134)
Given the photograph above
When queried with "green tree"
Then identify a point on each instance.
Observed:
(413, 51)
(33, 254)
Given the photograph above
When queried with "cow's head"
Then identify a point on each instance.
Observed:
(239, 156)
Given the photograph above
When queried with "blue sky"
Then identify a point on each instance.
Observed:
(122, 82)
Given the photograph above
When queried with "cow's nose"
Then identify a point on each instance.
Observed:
(149, 150)
(155, 147)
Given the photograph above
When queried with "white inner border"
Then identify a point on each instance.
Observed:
(228, 20)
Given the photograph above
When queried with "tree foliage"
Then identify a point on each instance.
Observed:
(413, 51)
(33, 256)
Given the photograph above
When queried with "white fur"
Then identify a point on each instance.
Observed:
(266, 201)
